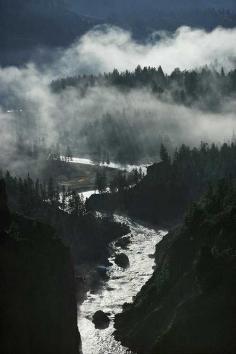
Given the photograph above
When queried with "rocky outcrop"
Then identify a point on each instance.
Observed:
(188, 306)
(37, 292)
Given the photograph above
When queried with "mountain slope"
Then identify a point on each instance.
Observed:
(107, 8)
(37, 288)
(25, 26)
(188, 306)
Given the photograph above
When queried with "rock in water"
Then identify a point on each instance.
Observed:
(122, 260)
(101, 320)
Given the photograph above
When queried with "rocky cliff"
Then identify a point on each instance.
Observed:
(188, 306)
(37, 293)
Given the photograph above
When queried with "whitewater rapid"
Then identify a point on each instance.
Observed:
(121, 287)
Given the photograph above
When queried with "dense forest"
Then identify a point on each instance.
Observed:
(205, 87)
(169, 187)
(188, 305)
(66, 212)
(131, 133)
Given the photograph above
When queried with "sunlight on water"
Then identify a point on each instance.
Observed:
(88, 194)
(120, 288)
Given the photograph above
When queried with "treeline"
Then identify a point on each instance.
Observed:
(185, 87)
(30, 195)
(36, 148)
(87, 236)
(169, 187)
(120, 182)
(123, 137)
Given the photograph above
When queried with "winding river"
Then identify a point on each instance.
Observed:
(122, 285)
(115, 165)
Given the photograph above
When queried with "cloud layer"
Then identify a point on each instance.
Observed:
(106, 48)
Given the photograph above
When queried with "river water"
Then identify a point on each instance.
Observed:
(115, 165)
(122, 285)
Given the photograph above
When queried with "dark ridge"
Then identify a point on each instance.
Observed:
(37, 288)
(188, 306)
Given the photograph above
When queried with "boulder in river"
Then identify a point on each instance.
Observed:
(122, 260)
(101, 320)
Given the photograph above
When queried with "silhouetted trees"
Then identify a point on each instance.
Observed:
(101, 180)
(170, 186)
(165, 157)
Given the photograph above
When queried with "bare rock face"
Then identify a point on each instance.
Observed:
(101, 320)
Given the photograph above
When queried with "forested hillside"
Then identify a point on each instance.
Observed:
(204, 87)
(169, 187)
(86, 235)
(135, 124)
(188, 306)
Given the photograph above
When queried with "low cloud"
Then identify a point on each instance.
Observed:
(106, 48)
(28, 105)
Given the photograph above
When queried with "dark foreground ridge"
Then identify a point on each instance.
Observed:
(188, 306)
(37, 289)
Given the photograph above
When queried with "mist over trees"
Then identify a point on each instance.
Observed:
(131, 134)
(205, 87)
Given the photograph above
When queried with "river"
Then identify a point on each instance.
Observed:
(115, 165)
(120, 288)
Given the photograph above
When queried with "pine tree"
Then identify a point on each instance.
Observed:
(164, 154)
(51, 189)
(63, 198)
(101, 181)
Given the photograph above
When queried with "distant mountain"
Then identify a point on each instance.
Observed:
(143, 17)
(30, 24)
(106, 8)
(26, 25)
